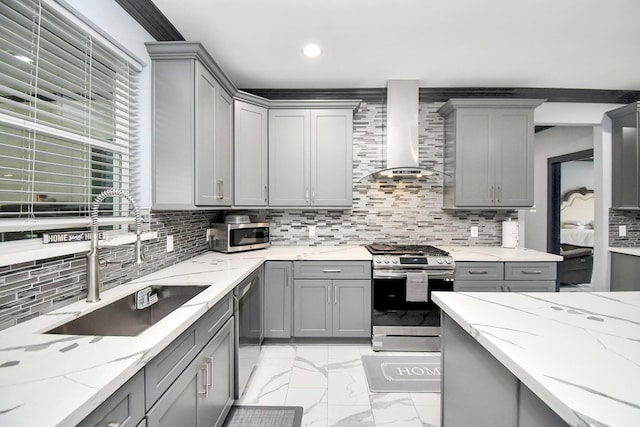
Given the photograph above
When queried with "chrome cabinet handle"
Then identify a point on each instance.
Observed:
(531, 271)
(328, 294)
(202, 381)
(113, 424)
(313, 195)
(331, 270)
(208, 361)
(335, 294)
(508, 288)
(265, 194)
(306, 195)
(498, 194)
(493, 193)
(478, 272)
(220, 189)
(501, 288)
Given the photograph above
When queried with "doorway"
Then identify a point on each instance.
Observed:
(570, 214)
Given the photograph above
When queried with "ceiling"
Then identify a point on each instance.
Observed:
(580, 44)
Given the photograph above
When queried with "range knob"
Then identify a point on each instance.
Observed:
(378, 261)
(394, 260)
(440, 260)
(386, 260)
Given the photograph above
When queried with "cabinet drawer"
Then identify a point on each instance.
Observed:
(213, 319)
(124, 407)
(529, 286)
(530, 271)
(475, 271)
(332, 270)
(478, 286)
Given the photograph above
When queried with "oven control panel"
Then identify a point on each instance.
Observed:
(402, 261)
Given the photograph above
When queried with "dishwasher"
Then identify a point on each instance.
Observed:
(248, 303)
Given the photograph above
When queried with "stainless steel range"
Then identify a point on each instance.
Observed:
(404, 317)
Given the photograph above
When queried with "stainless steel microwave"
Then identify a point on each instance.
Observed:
(230, 238)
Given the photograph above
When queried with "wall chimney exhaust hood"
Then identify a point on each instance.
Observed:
(402, 159)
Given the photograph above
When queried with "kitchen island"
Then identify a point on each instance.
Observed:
(540, 359)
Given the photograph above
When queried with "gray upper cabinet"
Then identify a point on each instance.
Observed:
(250, 159)
(192, 133)
(488, 153)
(625, 157)
(310, 157)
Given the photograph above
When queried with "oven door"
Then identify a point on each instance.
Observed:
(394, 315)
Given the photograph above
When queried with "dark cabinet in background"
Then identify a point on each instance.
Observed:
(625, 157)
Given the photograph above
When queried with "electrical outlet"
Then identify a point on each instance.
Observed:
(169, 243)
(474, 231)
(622, 230)
(208, 234)
(312, 230)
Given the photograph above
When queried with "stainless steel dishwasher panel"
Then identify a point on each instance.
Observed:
(248, 307)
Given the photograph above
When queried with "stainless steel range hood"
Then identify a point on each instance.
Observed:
(402, 160)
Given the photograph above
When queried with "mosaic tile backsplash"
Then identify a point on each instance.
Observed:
(386, 211)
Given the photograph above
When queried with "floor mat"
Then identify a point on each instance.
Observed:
(403, 374)
(264, 416)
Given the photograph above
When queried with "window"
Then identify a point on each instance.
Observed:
(68, 101)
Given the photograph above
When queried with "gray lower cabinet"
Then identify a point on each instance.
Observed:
(189, 383)
(488, 152)
(251, 156)
(625, 157)
(625, 272)
(505, 277)
(192, 143)
(477, 390)
(278, 293)
(124, 408)
(203, 394)
(332, 299)
(310, 157)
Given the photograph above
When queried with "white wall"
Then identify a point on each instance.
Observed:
(119, 26)
(550, 143)
(576, 174)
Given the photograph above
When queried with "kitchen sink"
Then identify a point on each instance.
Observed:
(122, 318)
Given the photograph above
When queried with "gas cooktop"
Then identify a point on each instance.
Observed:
(423, 257)
(419, 250)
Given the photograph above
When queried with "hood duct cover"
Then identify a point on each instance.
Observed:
(402, 132)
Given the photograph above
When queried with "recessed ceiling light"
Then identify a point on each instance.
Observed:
(312, 50)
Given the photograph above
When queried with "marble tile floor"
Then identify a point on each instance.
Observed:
(329, 382)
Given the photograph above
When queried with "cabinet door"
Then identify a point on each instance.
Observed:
(626, 160)
(625, 272)
(250, 148)
(475, 159)
(205, 180)
(289, 157)
(331, 157)
(277, 302)
(173, 133)
(179, 405)
(514, 151)
(223, 148)
(352, 308)
(218, 359)
(312, 308)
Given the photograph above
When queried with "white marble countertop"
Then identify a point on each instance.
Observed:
(36, 368)
(578, 352)
(635, 251)
(498, 254)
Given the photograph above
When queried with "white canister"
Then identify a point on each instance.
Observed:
(509, 234)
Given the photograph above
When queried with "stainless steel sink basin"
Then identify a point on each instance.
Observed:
(121, 318)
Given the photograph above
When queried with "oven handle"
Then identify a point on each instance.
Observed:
(392, 274)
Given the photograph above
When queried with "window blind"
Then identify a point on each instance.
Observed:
(68, 114)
